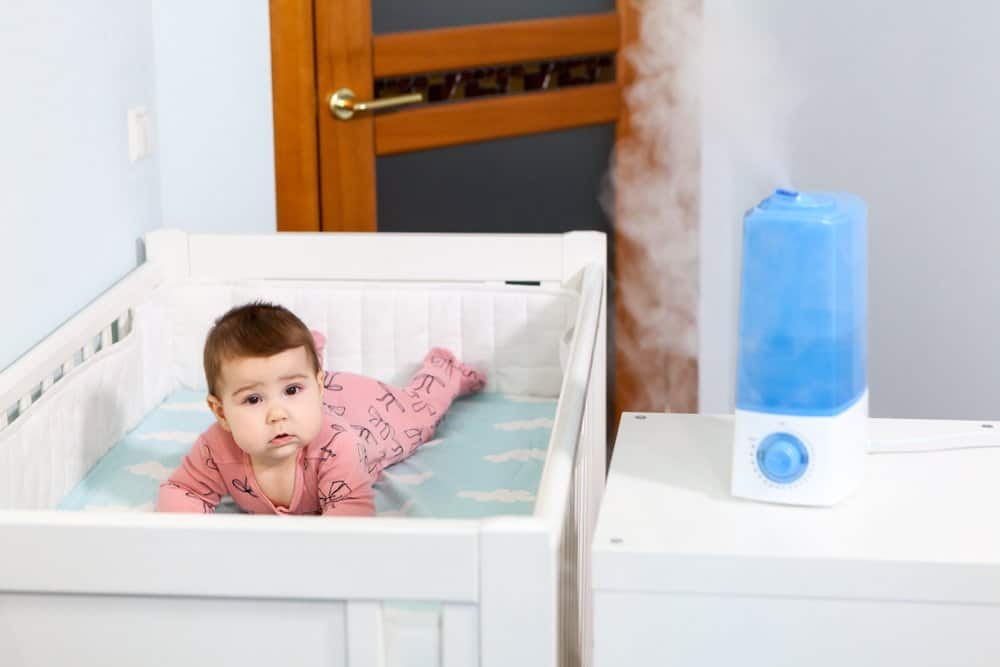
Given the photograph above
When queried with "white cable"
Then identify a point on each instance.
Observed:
(967, 435)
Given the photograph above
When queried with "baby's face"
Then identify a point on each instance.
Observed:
(271, 405)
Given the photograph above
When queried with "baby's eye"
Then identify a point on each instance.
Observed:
(291, 390)
(252, 399)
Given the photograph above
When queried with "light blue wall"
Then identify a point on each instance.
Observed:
(213, 83)
(72, 206)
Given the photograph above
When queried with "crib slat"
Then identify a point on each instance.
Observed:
(24, 404)
(365, 638)
(106, 337)
(66, 341)
(124, 324)
(459, 636)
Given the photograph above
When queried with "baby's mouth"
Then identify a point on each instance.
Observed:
(282, 439)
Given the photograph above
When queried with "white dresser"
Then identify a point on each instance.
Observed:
(906, 572)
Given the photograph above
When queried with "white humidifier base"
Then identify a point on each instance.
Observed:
(800, 460)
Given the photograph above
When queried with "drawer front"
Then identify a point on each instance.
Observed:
(710, 631)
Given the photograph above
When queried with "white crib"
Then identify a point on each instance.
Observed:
(89, 588)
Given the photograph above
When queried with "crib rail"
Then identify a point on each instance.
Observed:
(101, 325)
(549, 550)
(345, 559)
(405, 257)
(573, 477)
(557, 477)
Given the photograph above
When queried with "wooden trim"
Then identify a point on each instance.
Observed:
(481, 120)
(293, 77)
(628, 389)
(428, 51)
(628, 26)
(344, 60)
(661, 379)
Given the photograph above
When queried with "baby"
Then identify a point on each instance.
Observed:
(290, 438)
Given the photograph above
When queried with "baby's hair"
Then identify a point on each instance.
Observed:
(256, 329)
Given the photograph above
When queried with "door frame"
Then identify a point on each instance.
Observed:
(298, 71)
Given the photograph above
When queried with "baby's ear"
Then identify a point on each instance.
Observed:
(319, 341)
(215, 405)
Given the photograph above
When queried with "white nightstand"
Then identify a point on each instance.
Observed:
(904, 573)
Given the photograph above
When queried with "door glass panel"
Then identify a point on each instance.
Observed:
(547, 182)
(406, 15)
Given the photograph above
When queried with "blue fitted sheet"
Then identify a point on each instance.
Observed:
(485, 460)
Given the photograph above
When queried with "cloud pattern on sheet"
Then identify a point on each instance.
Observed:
(185, 437)
(485, 459)
(408, 478)
(152, 469)
(186, 407)
(525, 425)
(517, 455)
(528, 399)
(499, 496)
(402, 511)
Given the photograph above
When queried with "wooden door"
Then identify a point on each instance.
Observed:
(326, 166)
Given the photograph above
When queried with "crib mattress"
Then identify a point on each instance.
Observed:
(485, 460)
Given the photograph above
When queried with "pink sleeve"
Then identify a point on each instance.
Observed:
(345, 487)
(195, 486)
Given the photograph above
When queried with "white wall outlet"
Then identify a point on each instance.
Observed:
(139, 142)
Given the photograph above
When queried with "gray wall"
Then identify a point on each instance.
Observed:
(72, 206)
(897, 102)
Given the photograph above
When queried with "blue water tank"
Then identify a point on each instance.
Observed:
(803, 331)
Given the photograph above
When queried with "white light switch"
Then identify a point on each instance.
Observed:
(139, 145)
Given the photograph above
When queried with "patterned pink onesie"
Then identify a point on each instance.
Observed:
(368, 425)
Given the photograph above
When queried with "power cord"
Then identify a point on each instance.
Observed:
(937, 436)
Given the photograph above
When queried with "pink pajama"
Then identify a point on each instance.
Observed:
(393, 421)
(369, 425)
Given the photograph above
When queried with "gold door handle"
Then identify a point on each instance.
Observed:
(343, 106)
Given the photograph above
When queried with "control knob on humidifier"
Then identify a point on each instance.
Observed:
(801, 423)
